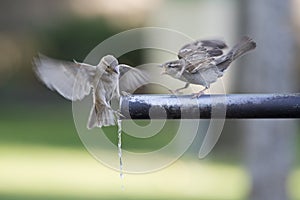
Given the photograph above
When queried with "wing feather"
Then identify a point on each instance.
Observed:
(211, 47)
(131, 78)
(72, 80)
(201, 54)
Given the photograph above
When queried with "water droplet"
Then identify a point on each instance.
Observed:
(120, 151)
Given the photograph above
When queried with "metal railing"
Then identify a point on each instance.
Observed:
(231, 106)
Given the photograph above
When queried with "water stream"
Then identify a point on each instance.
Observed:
(120, 150)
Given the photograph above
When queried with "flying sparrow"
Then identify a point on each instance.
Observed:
(75, 80)
(202, 62)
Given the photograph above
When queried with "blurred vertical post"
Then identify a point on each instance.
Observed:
(268, 143)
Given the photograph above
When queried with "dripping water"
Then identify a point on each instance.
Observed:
(120, 150)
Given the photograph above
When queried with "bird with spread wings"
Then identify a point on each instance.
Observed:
(74, 81)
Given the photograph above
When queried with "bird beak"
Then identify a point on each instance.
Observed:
(111, 70)
(115, 70)
(163, 72)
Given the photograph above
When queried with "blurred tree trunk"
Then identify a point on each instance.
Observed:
(269, 69)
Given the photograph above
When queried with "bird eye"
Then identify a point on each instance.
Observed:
(172, 65)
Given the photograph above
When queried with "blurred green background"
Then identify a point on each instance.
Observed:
(41, 155)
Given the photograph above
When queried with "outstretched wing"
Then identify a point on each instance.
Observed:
(211, 47)
(198, 61)
(201, 54)
(131, 78)
(72, 80)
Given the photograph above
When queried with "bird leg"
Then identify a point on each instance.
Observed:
(198, 94)
(118, 114)
(177, 91)
(126, 94)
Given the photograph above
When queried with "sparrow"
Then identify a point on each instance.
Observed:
(202, 62)
(74, 81)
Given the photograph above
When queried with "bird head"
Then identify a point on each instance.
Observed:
(172, 67)
(111, 64)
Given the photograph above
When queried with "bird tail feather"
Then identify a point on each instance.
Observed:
(246, 44)
(101, 115)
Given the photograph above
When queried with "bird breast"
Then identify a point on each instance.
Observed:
(105, 85)
(203, 77)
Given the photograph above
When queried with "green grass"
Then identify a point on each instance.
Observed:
(50, 173)
(38, 125)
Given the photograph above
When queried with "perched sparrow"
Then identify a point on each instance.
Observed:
(75, 80)
(202, 62)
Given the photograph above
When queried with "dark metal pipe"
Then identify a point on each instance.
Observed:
(231, 106)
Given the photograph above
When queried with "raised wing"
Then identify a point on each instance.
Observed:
(201, 54)
(131, 78)
(211, 47)
(216, 44)
(72, 80)
(198, 61)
